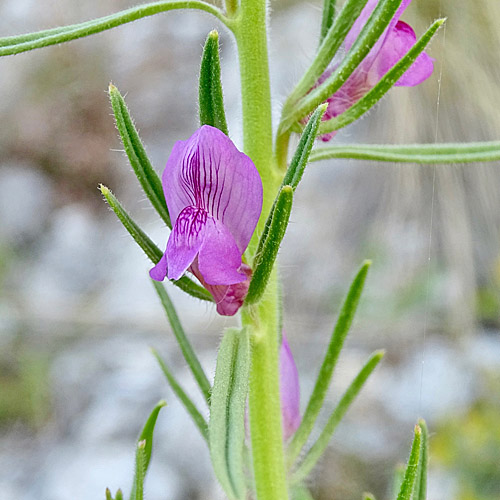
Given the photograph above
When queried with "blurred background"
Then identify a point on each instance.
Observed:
(78, 313)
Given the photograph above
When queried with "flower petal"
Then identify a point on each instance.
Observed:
(361, 21)
(229, 298)
(159, 272)
(219, 259)
(399, 41)
(185, 241)
(208, 171)
(289, 390)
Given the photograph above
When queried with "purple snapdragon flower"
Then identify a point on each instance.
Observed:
(214, 197)
(394, 43)
(289, 391)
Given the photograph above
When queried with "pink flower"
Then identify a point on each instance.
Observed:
(396, 41)
(214, 197)
(289, 391)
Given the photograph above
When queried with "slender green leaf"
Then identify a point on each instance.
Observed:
(186, 348)
(420, 492)
(143, 453)
(383, 86)
(144, 171)
(371, 32)
(327, 18)
(319, 447)
(149, 248)
(339, 334)
(108, 494)
(227, 412)
(410, 477)
(119, 495)
(22, 43)
(264, 260)
(140, 237)
(413, 153)
(299, 161)
(197, 417)
(210, 87)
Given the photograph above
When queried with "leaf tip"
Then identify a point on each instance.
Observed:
(214, 35)
(104, 189)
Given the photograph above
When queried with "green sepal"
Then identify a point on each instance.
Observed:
(144, 171)
(211, 98)
(22, 43)
(327, 17)
(143, 453)
(119, 495)
(108, 494)
(190, 407)
(383, 86)
(368, 496)
(339, 334)
(264, 259)
(321, 444)
(410, 477)
(413, 153)
(147, 245)
(227, 412)
(368, 37)
(420, 492)
(184, 344)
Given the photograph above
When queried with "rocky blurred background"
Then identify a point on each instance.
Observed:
(78, 314)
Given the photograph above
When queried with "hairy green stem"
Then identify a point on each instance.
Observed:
(262, 319)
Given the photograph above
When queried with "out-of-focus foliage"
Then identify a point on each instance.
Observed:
(468, 447)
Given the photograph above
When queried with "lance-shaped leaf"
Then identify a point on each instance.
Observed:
(183, 397)
(144, 171)
(397, 480)
(319, 447)
(368, 37)
(339, 334)
(327, 17)
(210, 87)
(420, 492)
(21, 43)
(264, 260)
(227, 412)
(143, 453)
(413, 153)
(149, 248)
(186, 347)
(383, 86)
(410, 477)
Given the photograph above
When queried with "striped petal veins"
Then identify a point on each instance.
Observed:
(214, 196)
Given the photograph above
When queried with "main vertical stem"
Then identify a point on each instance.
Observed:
(262, 320)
